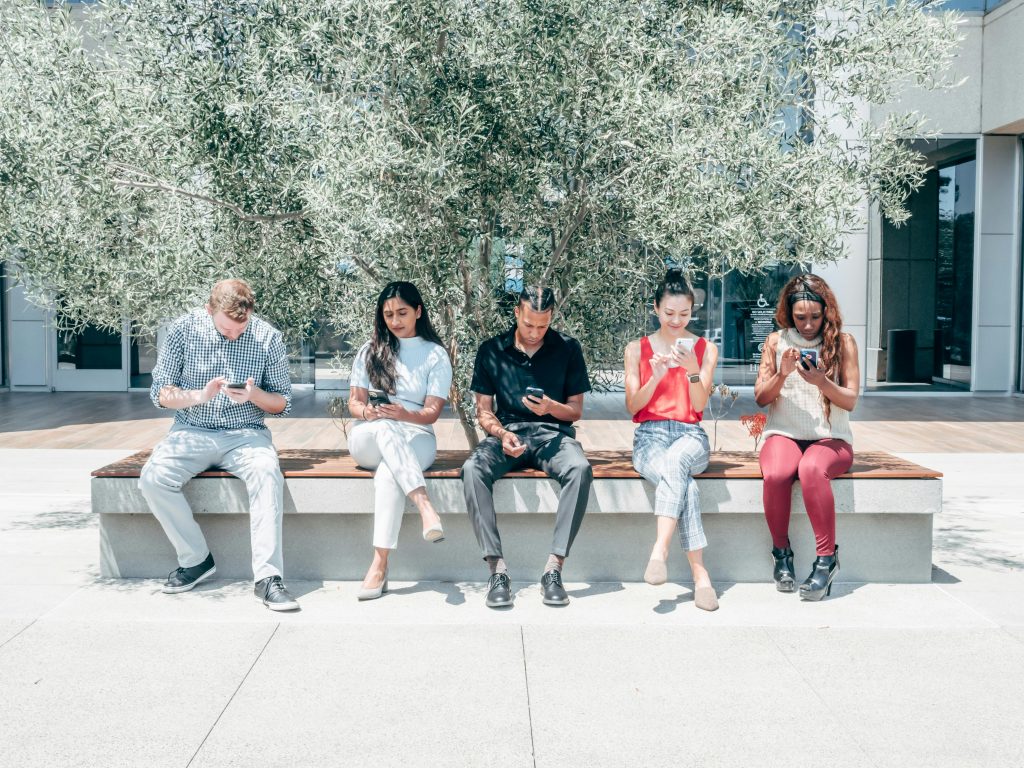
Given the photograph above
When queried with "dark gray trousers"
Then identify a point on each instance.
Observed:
(554, 453)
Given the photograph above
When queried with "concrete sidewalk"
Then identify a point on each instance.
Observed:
(109, 673)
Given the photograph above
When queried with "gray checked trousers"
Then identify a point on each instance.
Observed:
(249, 455)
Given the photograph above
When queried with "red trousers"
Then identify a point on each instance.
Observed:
(815, 462)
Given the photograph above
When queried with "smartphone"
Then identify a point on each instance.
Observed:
(809, 358)
(686, 344)
(236, 385)
(378, 398)
(535, 392)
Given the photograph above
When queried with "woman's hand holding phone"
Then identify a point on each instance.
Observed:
(813, 374)
(392, 411)
(684, 356)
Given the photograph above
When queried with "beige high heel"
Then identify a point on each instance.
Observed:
(374, 592)
(434, 533)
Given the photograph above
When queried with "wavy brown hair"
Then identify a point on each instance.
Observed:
(831, 326)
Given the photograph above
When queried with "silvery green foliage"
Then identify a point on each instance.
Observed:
(320, 150)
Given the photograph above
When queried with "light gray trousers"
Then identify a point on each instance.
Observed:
(249, 455)
(399, 452)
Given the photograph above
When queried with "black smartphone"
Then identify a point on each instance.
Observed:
(535, 392)
(378, 398)
(809, 358)
(236, 385)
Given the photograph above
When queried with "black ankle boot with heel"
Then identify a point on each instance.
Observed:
(819, 583)
(785, 576)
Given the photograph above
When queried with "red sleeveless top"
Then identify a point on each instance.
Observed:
(671, 398)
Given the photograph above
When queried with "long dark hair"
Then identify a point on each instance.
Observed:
(674, 284)
(380, 358)
(812, 288)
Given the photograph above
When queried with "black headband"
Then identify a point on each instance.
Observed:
(805, 295)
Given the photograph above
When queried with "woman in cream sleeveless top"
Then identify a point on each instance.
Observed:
(810, 381)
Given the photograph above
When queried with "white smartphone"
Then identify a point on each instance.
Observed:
(686, 344)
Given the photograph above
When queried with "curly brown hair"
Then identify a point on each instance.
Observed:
(831, 326)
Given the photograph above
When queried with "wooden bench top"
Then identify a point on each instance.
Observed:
(607, 464)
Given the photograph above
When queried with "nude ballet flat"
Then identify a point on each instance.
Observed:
(656, 573)
(705, 598)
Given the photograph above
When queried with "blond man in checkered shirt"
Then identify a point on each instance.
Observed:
(222, 370)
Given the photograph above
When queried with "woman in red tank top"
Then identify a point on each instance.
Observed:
(669, 375)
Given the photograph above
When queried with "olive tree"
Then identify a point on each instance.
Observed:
(320, 151)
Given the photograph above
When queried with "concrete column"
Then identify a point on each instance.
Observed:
(997, 248)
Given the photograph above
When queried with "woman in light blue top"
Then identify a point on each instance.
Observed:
(399, 384)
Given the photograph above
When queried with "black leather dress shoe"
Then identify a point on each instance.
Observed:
(499, 591)
(554, 592)
(184, 579)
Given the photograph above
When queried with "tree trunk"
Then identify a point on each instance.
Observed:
(465, 419)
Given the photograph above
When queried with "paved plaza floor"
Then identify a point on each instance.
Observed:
(97, 672)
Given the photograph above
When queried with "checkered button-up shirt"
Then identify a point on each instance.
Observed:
(195, 352)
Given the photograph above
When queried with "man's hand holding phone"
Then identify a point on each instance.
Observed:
(238, 391)
(537, 401)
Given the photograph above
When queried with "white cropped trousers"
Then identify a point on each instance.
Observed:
(399, 453)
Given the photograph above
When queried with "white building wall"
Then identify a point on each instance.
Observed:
(1002, 87)
(996, 255)
(989, 106)
(951, 110)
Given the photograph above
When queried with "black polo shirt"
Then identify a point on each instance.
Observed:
(505, 372)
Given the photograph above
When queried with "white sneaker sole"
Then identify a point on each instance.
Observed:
(292, 606)
(186, 587)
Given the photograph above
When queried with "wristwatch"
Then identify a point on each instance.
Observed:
(693, 377)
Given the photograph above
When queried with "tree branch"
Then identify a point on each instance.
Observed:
(162, 186)
(563, 242)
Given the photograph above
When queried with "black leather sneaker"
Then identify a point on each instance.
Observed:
(554, 592)
(272, 592)
(183, 579)
(499, 591)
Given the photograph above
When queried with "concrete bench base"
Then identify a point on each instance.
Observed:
(609, 548)
(884, 529)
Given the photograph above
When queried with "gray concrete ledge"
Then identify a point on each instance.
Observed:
(884, 530)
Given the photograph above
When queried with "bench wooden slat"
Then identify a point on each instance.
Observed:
(607, 464)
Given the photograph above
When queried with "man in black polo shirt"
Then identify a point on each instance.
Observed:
(529, 430)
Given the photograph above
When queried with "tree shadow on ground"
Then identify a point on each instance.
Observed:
(453, 594)
(77, 517)
(966, 546)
